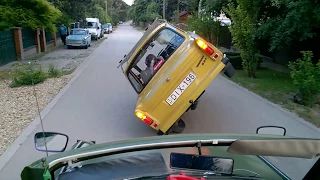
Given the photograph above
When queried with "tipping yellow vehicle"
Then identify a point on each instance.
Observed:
(170, 69)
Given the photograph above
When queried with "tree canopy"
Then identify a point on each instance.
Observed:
(279, 24)
(32, 14)
(48, 13)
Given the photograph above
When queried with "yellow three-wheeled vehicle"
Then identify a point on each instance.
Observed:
(170, 69)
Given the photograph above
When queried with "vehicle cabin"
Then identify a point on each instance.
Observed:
(170, 69)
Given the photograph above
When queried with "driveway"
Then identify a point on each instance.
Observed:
(99, 106)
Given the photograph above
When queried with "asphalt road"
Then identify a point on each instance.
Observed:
(99, 106)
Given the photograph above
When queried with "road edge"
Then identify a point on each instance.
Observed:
(292, 114)
(12, 149)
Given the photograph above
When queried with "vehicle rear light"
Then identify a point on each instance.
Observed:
(155, 125)
(205, 47)
(144, 118)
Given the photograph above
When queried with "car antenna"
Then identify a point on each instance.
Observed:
(35, 95)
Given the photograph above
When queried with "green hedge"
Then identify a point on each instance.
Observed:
(236, 61)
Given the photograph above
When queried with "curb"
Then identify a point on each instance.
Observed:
(293, 115)
(12, 149)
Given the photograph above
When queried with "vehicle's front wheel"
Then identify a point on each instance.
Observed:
(69, 47)
(86, 47)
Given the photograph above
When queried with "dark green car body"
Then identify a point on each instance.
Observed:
(257, 164)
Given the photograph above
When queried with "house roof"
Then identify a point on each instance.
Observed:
(184, 13)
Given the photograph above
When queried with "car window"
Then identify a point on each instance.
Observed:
(152, 57)
(92, 25)
(78, 32)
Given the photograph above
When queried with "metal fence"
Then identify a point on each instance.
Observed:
(28, 38)
(7, 47)
(48, 37)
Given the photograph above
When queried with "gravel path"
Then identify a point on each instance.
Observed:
(18, 106)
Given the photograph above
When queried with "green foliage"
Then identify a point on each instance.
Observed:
(152, 10)
(216, 6)
(100, 13)
(243, 28)
(27, 75)
(205, 27)
(284, 22)
(306, 77)
(54, 72)
(77, 10)
(31, 14)
(236, 60)
(64, 19)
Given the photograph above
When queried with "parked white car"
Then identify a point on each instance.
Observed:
(94, 27)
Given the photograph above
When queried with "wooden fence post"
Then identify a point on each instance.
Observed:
(54, 38)
(43, 43)
(17, 35)
(37, 40)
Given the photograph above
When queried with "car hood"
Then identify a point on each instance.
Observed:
(36, 169)
(76, 37)
(91, 30)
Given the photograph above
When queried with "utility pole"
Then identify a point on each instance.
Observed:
(164, 9)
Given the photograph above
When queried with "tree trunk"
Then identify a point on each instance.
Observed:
(252, 74)
(199, 8)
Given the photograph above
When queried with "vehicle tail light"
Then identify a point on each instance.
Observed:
(206, 48)
(144, 118)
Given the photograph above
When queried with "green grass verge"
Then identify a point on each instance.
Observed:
(5, 74)
(278, 88)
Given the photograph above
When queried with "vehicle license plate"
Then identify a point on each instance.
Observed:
(181, 88)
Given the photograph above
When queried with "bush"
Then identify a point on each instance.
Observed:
(53, 72)
(236, 61)
(306, 77)
(27, 75)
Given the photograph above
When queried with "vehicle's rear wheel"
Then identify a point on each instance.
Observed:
(179, 126)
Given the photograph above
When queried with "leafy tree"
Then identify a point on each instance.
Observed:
(31, 14)
(244, 25)
(152, 10)
(216, 6)
(306, 77)
(284, 22)
(205, 27)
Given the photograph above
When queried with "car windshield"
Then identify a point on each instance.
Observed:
(153, 56)
(105, 71)
(92, 25)
(78, 32)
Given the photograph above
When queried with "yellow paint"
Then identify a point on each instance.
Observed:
(152, 100)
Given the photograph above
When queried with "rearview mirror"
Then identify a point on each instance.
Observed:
(203, 163)
(50, 141)
(273, 130)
